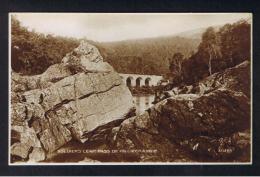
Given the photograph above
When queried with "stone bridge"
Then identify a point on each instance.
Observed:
(138, 80)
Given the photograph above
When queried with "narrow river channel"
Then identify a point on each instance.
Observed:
(143, 102)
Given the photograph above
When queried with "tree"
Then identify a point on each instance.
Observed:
(227, 47)
(175, 62)
(235, 42)
(175, 66)
(32, 52)
(210, 47)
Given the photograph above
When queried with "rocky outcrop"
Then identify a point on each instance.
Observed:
(236, 79)
(53, 74)
(83, 100)
(143, 141)
(86, 58)
(212, 125)
(66, 102)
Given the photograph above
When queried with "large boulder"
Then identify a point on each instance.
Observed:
(139, 139)
(211, 124)
(66, 102)
(211, 127)
(217, 113)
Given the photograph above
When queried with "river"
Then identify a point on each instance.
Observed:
(143, 102)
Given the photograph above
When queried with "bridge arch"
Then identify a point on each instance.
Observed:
(147, 81)
(129, 81)
(138, 82)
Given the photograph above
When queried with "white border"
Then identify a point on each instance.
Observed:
(123, 163)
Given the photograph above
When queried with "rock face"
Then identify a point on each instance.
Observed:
(83, 99)
(65, 102)
(86, 58)
(53, 74)
(142, 134)
(236, 79)
(212, 125)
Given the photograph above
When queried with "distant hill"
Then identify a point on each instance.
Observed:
(146, 56)
(33, 53)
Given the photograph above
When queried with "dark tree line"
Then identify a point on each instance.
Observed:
(218, 50)
(145, 56)
(32, 52)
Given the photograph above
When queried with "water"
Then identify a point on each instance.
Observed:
(143, 102)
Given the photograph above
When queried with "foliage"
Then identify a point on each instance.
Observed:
(146, 56)
(33, 53)
(227, 47)
(209, 47)
(175, 66)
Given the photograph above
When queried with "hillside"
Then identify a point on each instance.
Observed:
(146, 56)
(33, 53)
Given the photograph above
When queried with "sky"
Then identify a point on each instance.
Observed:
(105, 27)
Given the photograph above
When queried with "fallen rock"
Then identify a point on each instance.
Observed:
(66, 102)
(207, 121)
(190, 127)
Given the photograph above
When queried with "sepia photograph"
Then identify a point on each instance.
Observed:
(130, 88)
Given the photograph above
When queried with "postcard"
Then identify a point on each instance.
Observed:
(130, 88)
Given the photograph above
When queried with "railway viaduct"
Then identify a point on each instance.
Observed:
(138, 80)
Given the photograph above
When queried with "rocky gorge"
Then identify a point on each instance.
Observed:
(82, 104)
